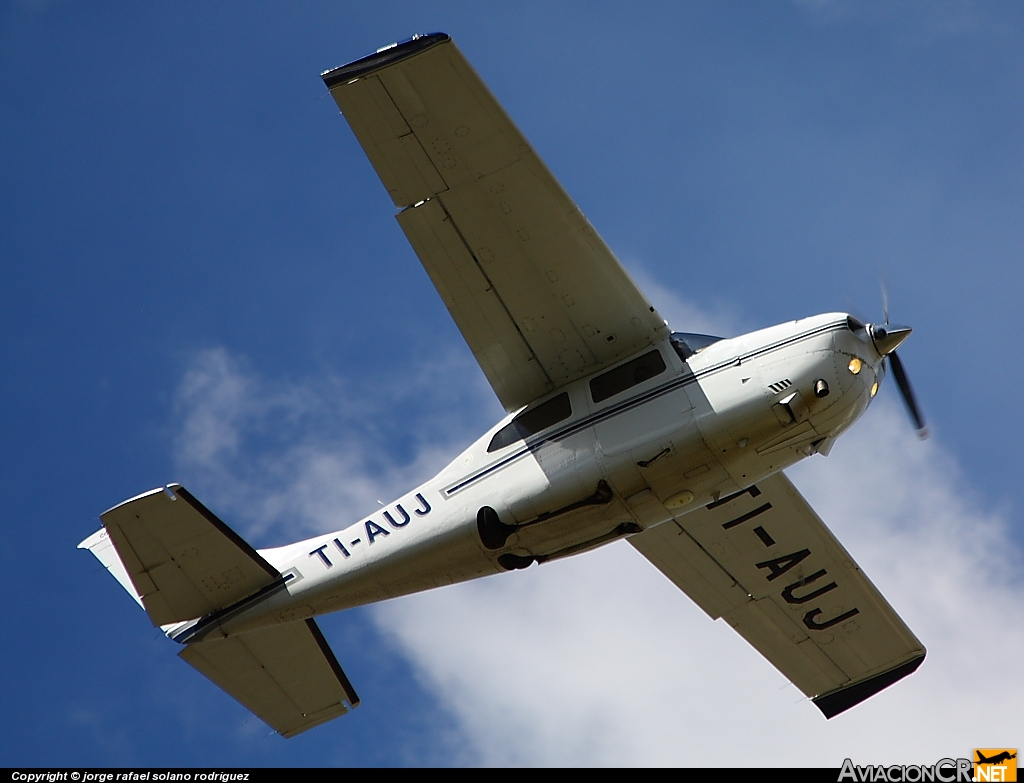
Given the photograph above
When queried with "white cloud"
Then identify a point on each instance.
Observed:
(599, 659)
(915, 23)
(289, 459)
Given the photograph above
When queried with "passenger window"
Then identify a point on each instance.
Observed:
(532, 421)
(628, 375)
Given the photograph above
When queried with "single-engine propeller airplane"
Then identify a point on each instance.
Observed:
(616, 428)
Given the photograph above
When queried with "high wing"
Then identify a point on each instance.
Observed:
(182, 560)
(766, 562)
(287, 675)
(535, 291)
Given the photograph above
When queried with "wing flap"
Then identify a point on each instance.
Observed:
(807, 606)
(434, 132)
(286, 675)
(674, 552)
(182, 560)
(505, 357)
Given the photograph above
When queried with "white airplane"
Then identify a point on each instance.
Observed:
(616, 428)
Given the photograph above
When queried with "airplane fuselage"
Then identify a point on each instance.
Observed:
(693, 430)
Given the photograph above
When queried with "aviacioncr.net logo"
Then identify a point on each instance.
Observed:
(942, 771)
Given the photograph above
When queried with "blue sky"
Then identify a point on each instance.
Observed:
(203, 282)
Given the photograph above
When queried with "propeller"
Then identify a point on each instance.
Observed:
(908, 394)
(887, 338)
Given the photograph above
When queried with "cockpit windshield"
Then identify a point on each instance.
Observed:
(687, 344)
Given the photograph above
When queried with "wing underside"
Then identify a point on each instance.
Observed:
(766, 563)
(535, 291)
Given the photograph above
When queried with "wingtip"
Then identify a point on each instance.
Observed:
(141, 495)
(383, 57)
(838, 701)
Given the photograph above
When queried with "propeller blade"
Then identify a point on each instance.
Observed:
(853, 310)
(908, 394)
(885, 297)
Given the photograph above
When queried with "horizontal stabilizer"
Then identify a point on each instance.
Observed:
(182, 561)
(287, 675)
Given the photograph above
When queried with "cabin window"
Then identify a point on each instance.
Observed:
(530, 422)
(627, 376)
